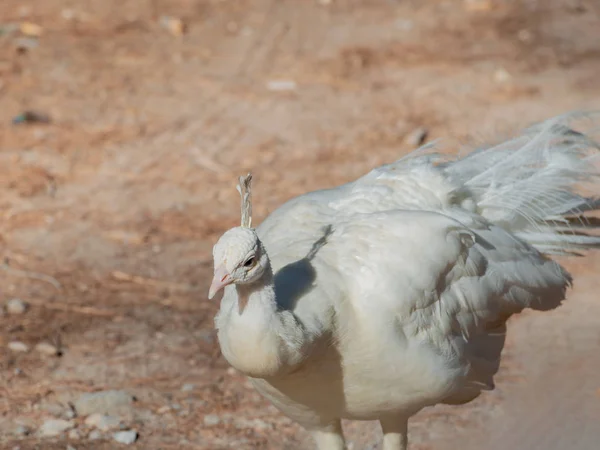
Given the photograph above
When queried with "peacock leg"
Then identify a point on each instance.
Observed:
(395, 433)
(329, 437)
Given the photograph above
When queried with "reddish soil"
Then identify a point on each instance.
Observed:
(120, 197)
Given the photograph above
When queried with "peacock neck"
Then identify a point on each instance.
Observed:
(257, 295)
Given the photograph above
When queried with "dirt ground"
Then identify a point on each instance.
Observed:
(109, 212)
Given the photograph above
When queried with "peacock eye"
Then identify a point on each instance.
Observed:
(249, 262)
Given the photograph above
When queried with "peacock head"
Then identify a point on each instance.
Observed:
(238, 255)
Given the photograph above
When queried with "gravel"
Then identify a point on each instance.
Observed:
(111, 402)
(22, 430)
(74, 435)
(188, 387)
(417, 137)
(46, 348)
(18, 346)
(125, 437)
(94, 435)
(16, 306)
(55, 427)
(256, 424)
(102, 422)
(210, 420)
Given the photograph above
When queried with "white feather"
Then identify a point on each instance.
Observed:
(390, 293)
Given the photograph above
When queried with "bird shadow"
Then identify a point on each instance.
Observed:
(296, 279)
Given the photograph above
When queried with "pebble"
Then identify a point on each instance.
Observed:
(417, 137)
(55, 409)
(281, 85)
(206, 336)
(502, 76)
(16, 306)
(25, 44)
(102, 422)
(404, 25)
(31, 117)
(31, 29)
(478, 5)
(188, 387)
(210, 420)
(18, 346)
(163, 409)
(525, 36)
(47, 349)
(74, 434)
(174, 25)
(257, 424)
(22, 430)
(126, 437)
(68, 14)
(55, 427)
(94, 434)
(104, 402)
(8, 28)
(69, 413)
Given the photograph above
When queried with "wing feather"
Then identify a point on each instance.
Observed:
(440, 278)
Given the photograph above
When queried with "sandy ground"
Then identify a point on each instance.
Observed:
(121, 196)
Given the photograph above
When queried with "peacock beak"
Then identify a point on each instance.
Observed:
(221, 279)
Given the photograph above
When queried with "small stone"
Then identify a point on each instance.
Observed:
(94, 435)
(74, 434)
(281, 85)
(126, 437)
(18, 346)
(163, 409)
(69, 413)
(68, 14)
(210, 420)
(104, 402)
(501, 76)
(22, 430)
(256, 424)
(30, 116)
(525, 36)
(31, 29)
(24, 44)
(417, 137)
(478, 5)
(404, 25)
(8, 28)
(174, 25)
(188, 387)
(16, 306)
(207, 336)
(55, 427)
(56, 409)
(102, 422)
(47, 349)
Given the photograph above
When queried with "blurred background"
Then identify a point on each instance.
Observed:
(123, 127)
